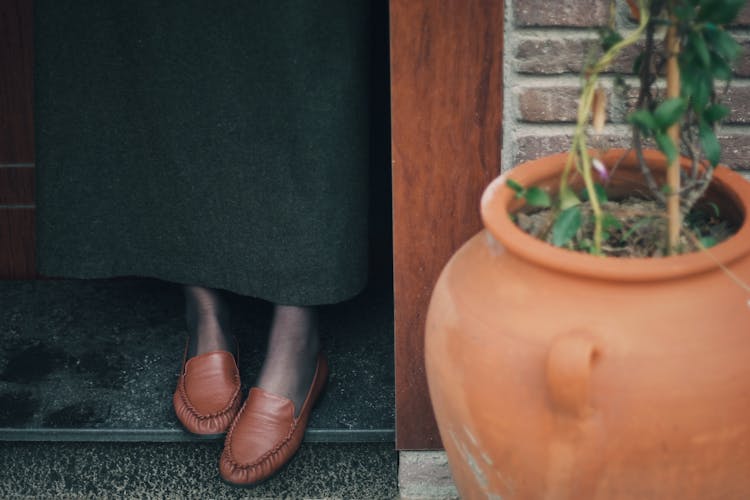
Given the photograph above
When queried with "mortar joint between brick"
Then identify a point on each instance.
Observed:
(543, 34)
(736, 129)
(567, 80)
(560, 129)
(510, 108)
(542, 129)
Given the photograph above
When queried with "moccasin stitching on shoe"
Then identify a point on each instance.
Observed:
(280, 444)
(200, 422)
(269, 462)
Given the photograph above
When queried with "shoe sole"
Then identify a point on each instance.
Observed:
(262, 481)
(205, 437)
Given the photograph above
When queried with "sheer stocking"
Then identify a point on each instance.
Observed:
(207, 321)
(292, 353)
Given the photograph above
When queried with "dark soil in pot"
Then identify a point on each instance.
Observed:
(635, 227)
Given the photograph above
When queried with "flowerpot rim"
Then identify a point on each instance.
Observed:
(498, 197)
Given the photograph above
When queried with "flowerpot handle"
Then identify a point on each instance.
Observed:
(569, 363)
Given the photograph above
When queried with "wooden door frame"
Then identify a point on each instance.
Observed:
(16, 141)
(446, 119)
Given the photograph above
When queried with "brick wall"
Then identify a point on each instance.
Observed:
(545, 48)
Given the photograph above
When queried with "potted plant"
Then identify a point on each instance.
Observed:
(594, 340)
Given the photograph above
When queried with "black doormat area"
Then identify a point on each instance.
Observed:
(98, 360)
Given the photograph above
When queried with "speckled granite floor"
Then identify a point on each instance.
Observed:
(101, 357)
(188, 471)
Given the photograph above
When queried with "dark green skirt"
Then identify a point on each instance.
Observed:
(218, 143)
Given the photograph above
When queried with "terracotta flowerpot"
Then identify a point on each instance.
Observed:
(557, 374)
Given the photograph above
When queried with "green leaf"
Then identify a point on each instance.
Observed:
(609, 221)
(669, 112)
(726, 46)
(688, 80)
(684, 13)
(720, 69)
(708, 241)
(698, 45)
(705, 8)
(715, 113)
(710, 144)
(710, 29)
(537, 197)
(566, 226)
(720, 11)
(701, 92)
(568, 199)
(666, 146)
(730, 11)
(609, 38)
(515, 187)
(644, 120)
(715, 208)
(601, 193)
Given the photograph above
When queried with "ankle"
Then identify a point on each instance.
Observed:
(207, 321)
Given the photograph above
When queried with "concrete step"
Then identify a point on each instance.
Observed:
(189, 471)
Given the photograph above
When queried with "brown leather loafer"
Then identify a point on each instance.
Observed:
(208, 393)
(265, 435)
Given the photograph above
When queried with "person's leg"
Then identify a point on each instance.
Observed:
(292, 354)
(207, 320)
(271, 425)
(208, 396)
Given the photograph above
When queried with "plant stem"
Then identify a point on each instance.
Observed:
(644, 102)
(579, 154)
(595, 207)
(673, 170)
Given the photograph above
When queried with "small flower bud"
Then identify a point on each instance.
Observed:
(600, 169)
